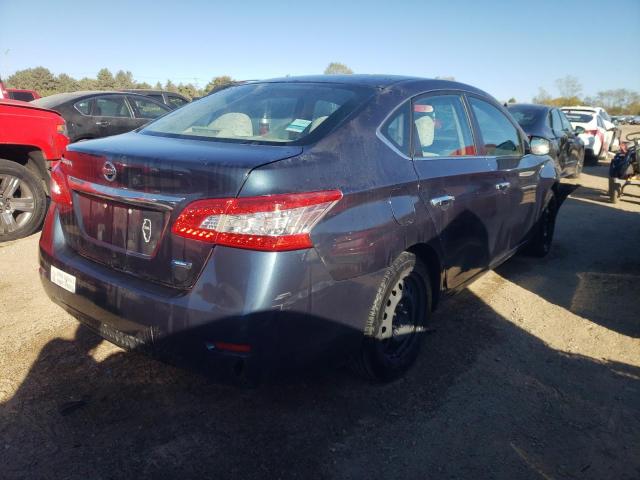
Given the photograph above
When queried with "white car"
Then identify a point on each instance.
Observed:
(600, 134)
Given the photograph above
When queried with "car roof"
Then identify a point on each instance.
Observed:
(60, 98)
(353, 79)
(584, 108)
(530, 106)
(150, 90)
(410, 84)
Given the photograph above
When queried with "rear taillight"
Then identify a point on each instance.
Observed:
(59, 189)
(61, 128)
(270, 223)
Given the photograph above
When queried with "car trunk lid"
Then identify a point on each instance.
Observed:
(129, 189)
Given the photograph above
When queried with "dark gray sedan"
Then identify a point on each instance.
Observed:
(548, 128)
(97, 114)
(278, 224)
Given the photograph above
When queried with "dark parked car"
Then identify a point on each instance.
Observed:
(172, 100)
(101, 114)
(551, 124)
(280, 223)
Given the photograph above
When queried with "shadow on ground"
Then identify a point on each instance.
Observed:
(594, 267)
(486, 400)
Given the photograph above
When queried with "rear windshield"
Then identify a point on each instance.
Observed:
(265, 113)
(526, 117)
(578, 117)
(24, 96)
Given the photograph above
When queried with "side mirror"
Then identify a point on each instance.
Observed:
(540, 146)
(579, 130)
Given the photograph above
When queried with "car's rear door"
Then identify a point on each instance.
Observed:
(503, 144)
(562, 139)
(574, 143)
(457, 185)
(112, 115)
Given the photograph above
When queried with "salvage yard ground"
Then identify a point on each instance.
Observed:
(532, 372)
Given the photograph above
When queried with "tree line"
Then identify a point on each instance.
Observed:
(46, 83)
(616, 101)
(43, 81)
(619, 101)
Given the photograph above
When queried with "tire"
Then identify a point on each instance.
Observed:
(579, 167)
(540, 243)
(590, 158)
(615, 190)
(23, 202)
(404, 299)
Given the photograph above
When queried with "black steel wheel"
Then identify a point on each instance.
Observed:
(396, 323)
(540, 243)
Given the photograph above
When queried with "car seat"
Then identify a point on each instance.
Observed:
(234, 124)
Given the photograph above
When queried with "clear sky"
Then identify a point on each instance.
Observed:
(508, 48)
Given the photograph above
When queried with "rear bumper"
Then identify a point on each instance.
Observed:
(284, 305)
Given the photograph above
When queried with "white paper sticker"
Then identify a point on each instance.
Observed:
(63, 279)
(298, 125)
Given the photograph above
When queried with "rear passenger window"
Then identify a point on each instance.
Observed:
(177, 101)
(441, 127)
(111, 106)
(499, 134)
(396, 129)
(83, 106)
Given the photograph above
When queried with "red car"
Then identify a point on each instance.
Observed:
(32, 139)
(22, 94)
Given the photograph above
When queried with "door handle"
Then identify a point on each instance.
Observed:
(103, 123)
(443, 201)
(502, 186)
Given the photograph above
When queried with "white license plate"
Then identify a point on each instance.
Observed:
(63, 279)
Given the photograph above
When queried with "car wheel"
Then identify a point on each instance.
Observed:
(395, 327)
(615, 190)
(22, 201)
(540, 243)
(578, 170)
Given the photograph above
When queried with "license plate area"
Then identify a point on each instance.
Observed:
(125, 228)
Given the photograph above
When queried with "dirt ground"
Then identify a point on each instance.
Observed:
(532, 372)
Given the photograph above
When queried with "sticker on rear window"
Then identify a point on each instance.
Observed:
(423, 108)
(298, 125)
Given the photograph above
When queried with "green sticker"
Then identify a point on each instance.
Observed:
(298, 125)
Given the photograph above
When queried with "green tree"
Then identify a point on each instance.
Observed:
(218, 82)
(124, 80)
(170, 86)
(105, 80)
(512, 100)
(337, 68)
(38, 78)
(158, 86)
(67, 83)
(188, 90)
(144, 85)
(87, 84)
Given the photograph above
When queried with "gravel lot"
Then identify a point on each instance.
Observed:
(532, 372)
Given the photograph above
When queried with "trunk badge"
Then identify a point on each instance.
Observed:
(109, 171)
(146, 230)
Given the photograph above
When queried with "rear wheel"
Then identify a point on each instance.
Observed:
(615, 190)
(22, 201)
(540, 243)
(396, 323)
(578, 170)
